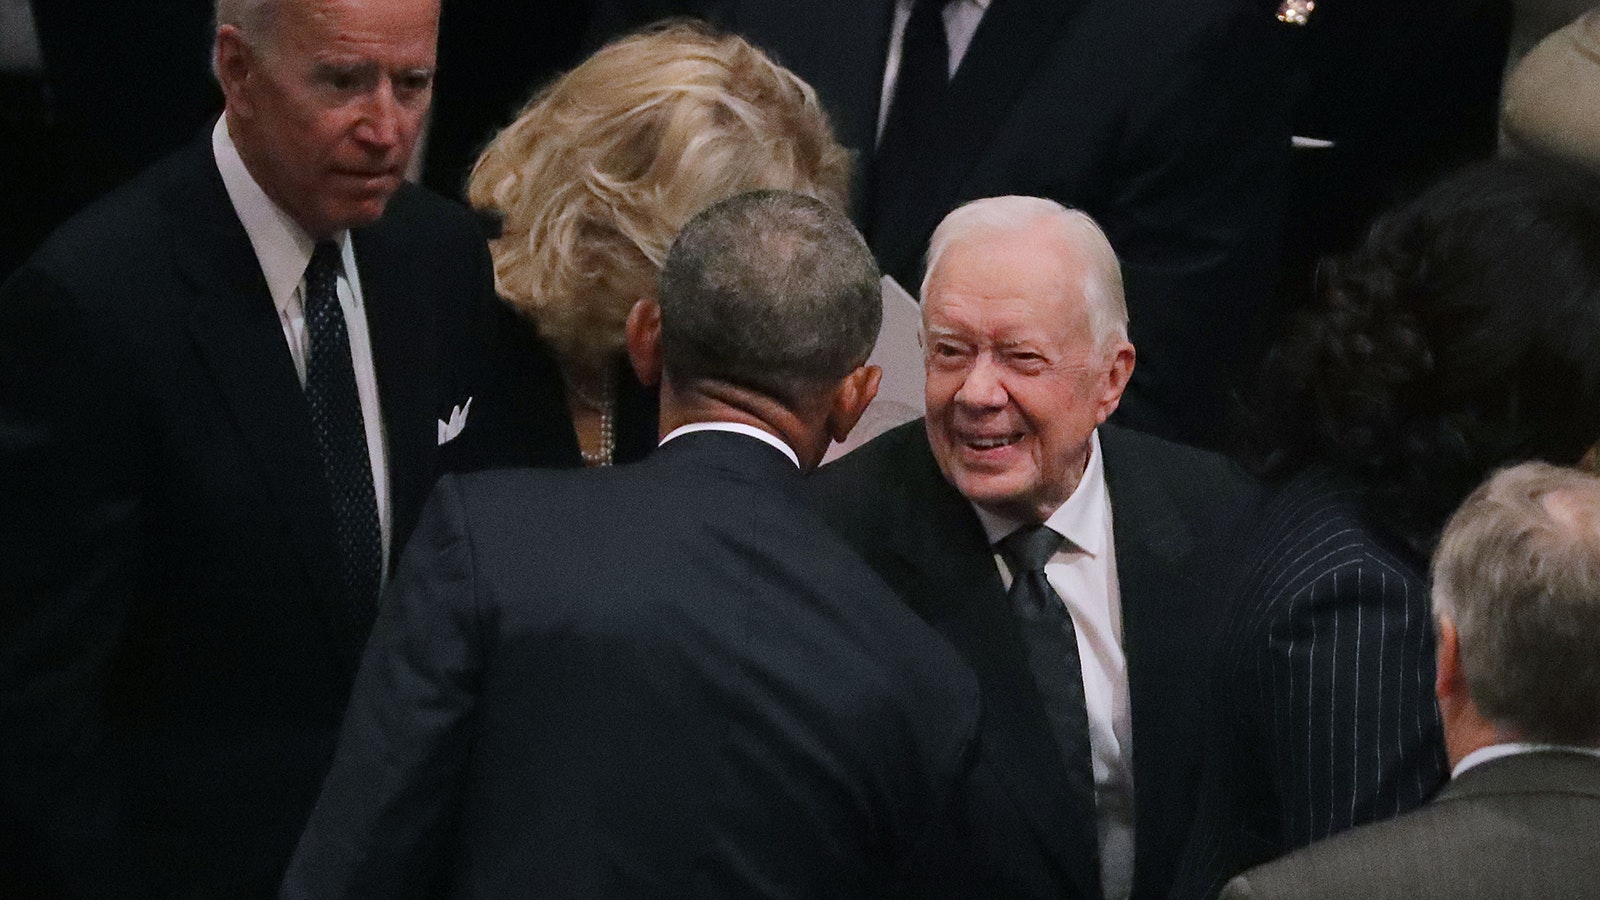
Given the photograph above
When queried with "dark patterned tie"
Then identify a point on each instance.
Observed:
(913, 110)
(1052, 645)
(341, 439)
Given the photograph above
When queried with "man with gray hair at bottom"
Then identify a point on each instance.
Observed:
(1078, 567)
(664, 679)
(1516, 590)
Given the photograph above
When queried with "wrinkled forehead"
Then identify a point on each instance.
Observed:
(991, 283)
(378, 28)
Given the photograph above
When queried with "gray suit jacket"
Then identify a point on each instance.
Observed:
(1521, 826)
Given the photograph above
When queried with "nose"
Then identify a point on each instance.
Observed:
(379, 127)
(983, 388)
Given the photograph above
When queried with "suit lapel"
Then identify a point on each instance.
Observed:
(946, 571)
(1011, 42)
(405, 355)
(235, 326)
(1165, 630)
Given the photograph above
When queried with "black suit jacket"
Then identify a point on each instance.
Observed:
(1323, 712)
(1162, 120)
(1175, 511)
(173, 665)
(1522, 826)
(659, 680)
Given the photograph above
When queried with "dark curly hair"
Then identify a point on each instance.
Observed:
(1462, 336)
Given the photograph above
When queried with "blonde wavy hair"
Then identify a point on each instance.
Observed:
(604, 166)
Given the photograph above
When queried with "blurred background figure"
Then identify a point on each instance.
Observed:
(1464, 335)
(1516, 588)
(90, 95)
(1534, 20)
(1552, 97)
(1387, 97)
(591, 183)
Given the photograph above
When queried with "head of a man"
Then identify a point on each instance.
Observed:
(1025, 336)
(1517, 594)
(325, 99)
(768, 300)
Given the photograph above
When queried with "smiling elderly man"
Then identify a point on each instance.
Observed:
(1078, 567)
(221, 397)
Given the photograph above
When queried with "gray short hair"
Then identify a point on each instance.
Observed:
(772, 291)
(1518, 573)
(254, 18)
(1102, 282)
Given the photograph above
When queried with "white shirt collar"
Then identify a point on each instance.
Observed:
(1081, 520)
(281, 245)
(1496, 751)
(736, 428)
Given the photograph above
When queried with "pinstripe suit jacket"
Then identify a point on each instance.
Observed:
(1521, 826)
(1323, 706)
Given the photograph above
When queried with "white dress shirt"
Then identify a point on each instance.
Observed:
(1495, 751)
(1084, 574)
(284, 250)
(961, 18)
(736, 428)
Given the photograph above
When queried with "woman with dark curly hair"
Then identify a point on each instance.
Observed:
(1463, 336)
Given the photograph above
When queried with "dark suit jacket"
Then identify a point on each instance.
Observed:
(1323, 708)
(1160, 119)
(657, 680)
(1521, 826)
(1175, 511)
(173, 666)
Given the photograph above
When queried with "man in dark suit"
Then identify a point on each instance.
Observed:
(1515, 594)
(1159, 119)
(1084, 783)
(668, 678)
(208, 450)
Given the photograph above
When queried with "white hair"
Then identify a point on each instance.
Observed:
(1102, 281)
(252, 17)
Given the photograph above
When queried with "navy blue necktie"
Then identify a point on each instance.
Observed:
(1052, 645)
(341, 438)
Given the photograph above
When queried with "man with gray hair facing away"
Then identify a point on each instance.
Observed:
(1516, 589)
(664, 679)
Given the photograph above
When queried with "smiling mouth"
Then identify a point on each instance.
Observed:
(994, 442)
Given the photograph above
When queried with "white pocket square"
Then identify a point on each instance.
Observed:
(458, 421)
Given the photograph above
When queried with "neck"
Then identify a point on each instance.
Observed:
(717, 401)
(1467, 731)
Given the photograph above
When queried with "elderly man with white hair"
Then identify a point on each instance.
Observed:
(1516, 591)
(1078, 567)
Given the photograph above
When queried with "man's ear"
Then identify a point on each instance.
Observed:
(643, 333)
(1450, 679)
(1119, 368)
(850, 400)
(233, 59)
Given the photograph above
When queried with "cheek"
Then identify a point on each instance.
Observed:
(940, 391)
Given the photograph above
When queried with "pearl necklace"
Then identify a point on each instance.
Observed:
(605, 405)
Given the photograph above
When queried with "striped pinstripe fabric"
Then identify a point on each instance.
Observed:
(1323, 684)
